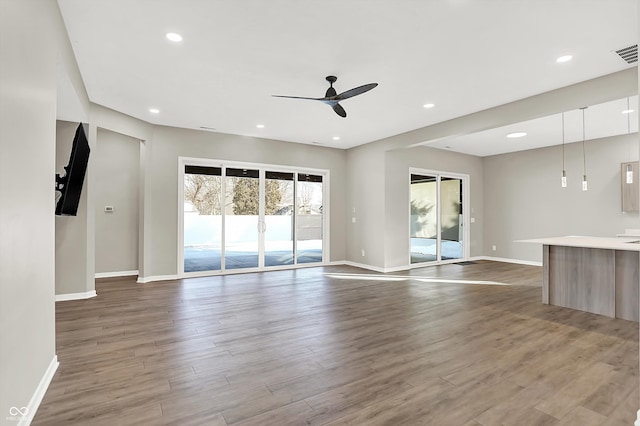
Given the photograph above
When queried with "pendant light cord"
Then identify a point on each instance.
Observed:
(629, 124)
(584, 157)
(563, 169)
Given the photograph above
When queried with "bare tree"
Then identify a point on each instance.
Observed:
(203, 192)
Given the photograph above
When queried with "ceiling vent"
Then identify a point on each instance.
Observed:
(629, 54)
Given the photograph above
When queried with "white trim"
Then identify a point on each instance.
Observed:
(116, 274)
(506, 260)
(143, 280)
(637, 422)
(36, 398)
(75, 296)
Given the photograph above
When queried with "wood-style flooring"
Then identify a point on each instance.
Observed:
(443, 345)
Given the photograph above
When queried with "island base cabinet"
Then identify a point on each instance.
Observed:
(600, 281)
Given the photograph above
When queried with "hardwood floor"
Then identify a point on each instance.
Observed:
(339, 345)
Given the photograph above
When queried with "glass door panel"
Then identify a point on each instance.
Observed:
(278, 218)
(451, 218)
(241, 218)
(309, 220)
(424, 245)
(202, 215)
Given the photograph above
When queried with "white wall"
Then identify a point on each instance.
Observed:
(32, 40)
(524, 198)
(117, 177)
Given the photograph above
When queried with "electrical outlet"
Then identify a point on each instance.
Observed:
(362, 252)
(493, 248)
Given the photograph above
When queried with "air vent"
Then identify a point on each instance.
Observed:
(629, 54)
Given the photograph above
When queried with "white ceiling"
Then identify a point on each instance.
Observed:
(462, 55)
(602, 120)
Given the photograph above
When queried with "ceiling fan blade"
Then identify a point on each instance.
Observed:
(297, 97)
(339, 110)
(355, 91)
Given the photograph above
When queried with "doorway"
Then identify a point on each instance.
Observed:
(438, 217)
(249, 217)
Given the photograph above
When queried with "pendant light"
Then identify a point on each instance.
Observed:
(629, 179)
(584, 157)
(564, 171)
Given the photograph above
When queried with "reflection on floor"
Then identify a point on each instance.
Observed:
(208, 259)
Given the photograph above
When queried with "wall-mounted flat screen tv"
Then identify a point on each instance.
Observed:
(70, 185)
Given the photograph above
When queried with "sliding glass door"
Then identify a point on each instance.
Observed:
(436, 220)
(424, 218)
(278, 218)
(309, 218)
(451, 219)
(241, 218)
(252, 218)
(202, 217)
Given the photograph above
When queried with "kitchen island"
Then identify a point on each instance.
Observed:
(592, 274)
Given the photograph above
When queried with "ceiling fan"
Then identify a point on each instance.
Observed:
(332, 99)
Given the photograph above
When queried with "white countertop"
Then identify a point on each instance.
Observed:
(619, 243)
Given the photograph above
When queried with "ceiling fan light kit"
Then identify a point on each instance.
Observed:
(332, 98)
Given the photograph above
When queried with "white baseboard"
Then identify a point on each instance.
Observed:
(507, 260)
(75, 296)
(143, 280)
(637, 422)
(116, 274)
(418, 265)
(31, 409)
(362, 266)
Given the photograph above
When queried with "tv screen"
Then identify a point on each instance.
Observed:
(70, 185)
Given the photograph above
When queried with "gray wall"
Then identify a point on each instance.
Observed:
(365, 203)
(524, 199)
(161, 183)
(116, 161)
(398, 163)
(377, 172)
(72, 246)
(378, 190)
(32, 41)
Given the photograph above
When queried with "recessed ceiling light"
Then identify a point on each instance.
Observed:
(628, 111)
(516, 135)
(336, 138)
(154, 110)
(565, 58)
(260, 126)
(429, 105)
(174, 37)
